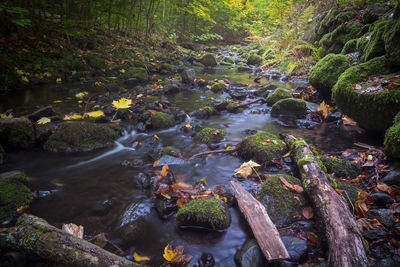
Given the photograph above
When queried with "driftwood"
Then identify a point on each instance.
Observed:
(264, 230)
(34, 235)
(248, 103)
(213, 152)
(346, 246)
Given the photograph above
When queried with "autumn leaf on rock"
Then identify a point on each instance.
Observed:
(246, 169)
(176, 256)
(81, 95)
(367, 224)
(164, 171)
(137, 257)
(296, 188)
(95, 114)
(122, 103)
(100, 240)
(44, 120)
(73, 229)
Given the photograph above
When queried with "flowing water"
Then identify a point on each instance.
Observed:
(74, 186)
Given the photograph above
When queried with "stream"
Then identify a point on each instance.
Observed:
(94, 188)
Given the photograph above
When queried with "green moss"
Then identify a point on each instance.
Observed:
(251, 147)
(168, 151)
(208, 60)
(392, 141)
(210, 135)
(232, 107)
(161, 120)
(228, 60)
(14, 193)
(303, 161)
(391, 38)
(71, 136)
(341, 167)
(280, 202)
(16, 133)
(277, 95)
(375, 46)
(254, 59)
(290, 107)
(396, 118)
(349, 47)
(326, 72)
(204, 212)
(165, 67)
(210, 110)
(95, 62)
(334, 41)
(136, 72)
(351, 191)
(217, 87)
(373, 111)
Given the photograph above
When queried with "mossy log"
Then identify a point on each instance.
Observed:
(34, 235)
(263, 228)
(346, 246)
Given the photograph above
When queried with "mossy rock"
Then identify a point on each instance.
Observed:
(328, 22)
(136, 72)
(396, 118)
(376, 45)
(232, 108)
(211, 135)
(208, 109)
(166, 68)
(254, 59)
(168, 151)
(208, 60)
(78, 136)
(392, 140)
(161, 120)
(228, 60)
(14, 193)
(217, 87)
(16, 133)
(291, 107)
(326, 72)
(252, 147)
(334, 41)
(392, 38)
(277, 95)
(341, 167)
(349, 47)
(372, 111)
(208, 213)
(351, 192)
(280, 202)
(95, 62)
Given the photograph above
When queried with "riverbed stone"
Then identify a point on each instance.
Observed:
(277, 95)
(47, 111)
(385, 214)
(326, 72)
(165, 207)
(188, 76)
(161, 120)
(295, 246)
(392, 178)
(291, 107)
(250, 255)
(252, 147)
(218, 87)
(14, 193)
(208, 60)
(79, 136)
(208, 213)
(210, 135)
(170, 160)
(281, 204)
(16, 133)
(141, 181)
(382, 199)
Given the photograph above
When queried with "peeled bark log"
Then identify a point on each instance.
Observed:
(264, 230)
(346, 246)
(34, 235)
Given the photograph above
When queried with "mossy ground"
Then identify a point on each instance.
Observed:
(161, 120)
(210, 135)
(341, 167)
(251, 147)
(208, 212)
(277, 95)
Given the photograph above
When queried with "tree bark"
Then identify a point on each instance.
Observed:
(264, 230)
(34, 235)
(346, 246)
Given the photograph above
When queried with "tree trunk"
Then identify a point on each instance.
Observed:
(263, 228)
(34, 235)
(346, 246)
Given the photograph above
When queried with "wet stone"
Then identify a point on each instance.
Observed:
(165, 207)
(238, 94)
(47, 111)
(170, 160)
(382, 199)
(385, 214)
(206, 260)
(249, 255)
(112, 87)
(375, 233)
(296, 247)
(392, 178)
(388, 262)
(101, 207)
(141, 181)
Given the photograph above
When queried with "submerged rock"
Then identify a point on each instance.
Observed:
(277, 95)
(208, 213)
(250, 255)
(290, 107)
(14, 193)
(76, 136)
(296, 247)
(210, 135)
(16, 133)
(252, 147)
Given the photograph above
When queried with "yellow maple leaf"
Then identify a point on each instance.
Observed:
(95, 114)
(188, 125)
(137, 257)
(122, 103)
(5, 116)
(169, 253)
(43, 120)
(247, 169)
(122, 71)
(156, 136)
(57, 101)
(73, 117)
(81, 94)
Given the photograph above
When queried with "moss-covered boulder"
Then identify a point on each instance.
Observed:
(325, 73)
(257, 147)
(14, 193)
(166, 68)
(208, 213)
(334, 41)
(375, 110)
(277, 95)
(375, 46)
(95, 62)
(169, 151)
(392, 38)
(161, 120)
(254, 59)
(392, 141)
(77, 136)
(217, 87)
(208, 60)
(349, 47)
(210, 135)
(227, 61)
(341, 167)
(290, 107)
(332, 19)
(138, 73)
(16, 133)
(281, 203)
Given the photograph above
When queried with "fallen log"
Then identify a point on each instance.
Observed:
(264, 230)
(34, 235)
(346, 246)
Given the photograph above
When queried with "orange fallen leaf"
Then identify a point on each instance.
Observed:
(265, 142)
(384, 188)
(156, 163)
(339, 191)
(298, 188)
(164, 170)
(137, 257)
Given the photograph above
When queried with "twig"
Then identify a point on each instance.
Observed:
(257, 174)
(362, 145)
(214, 152)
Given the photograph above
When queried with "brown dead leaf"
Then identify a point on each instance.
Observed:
(367, 224)
(286, 183)
(395, 208)
(308, 213)
(324, 109)
(348, 121)
(384, 188)
(265, 142)
(298, 188)
(339, 191)
(246, 169)
(274, 142)
(73, 229)
(100, 240)
(156, 163)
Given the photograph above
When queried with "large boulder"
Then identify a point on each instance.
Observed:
(258, 148)
(208, 213)
(161, 120)
(373, 111)
(290, 107)
(16, 133)
(392, 38)
(14, 193)
(282, 205)
(325, 73)
(254, 59)
(375, 46)
(334, 41)
(77, 136)
(208, 60)
(392, 141)
(277, 95)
